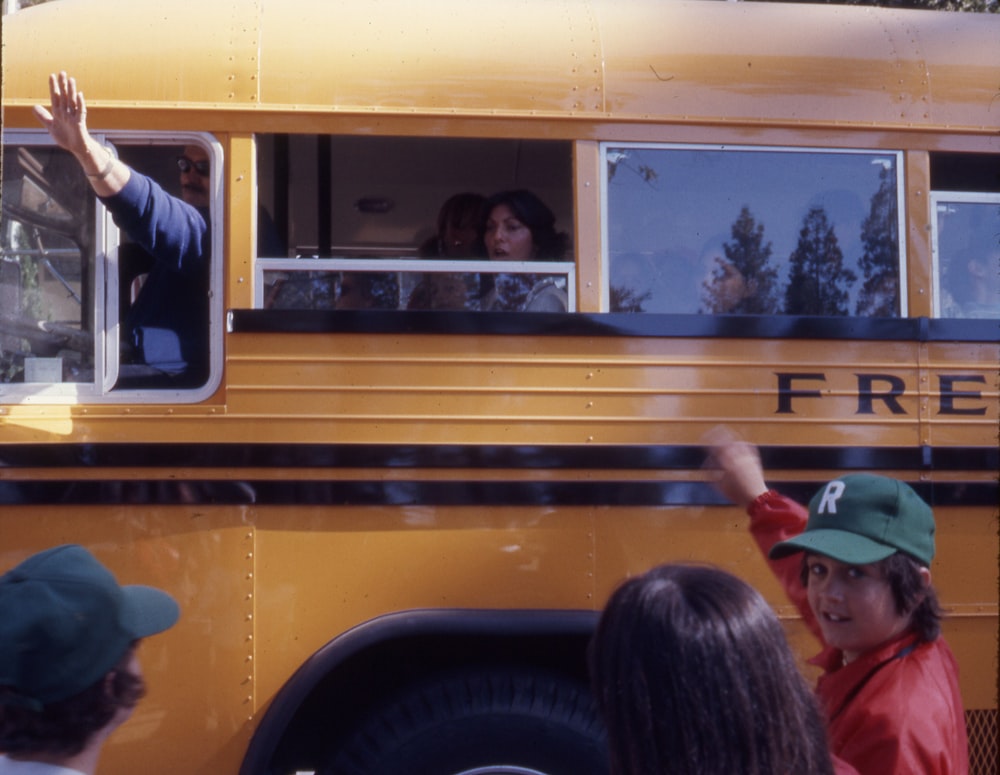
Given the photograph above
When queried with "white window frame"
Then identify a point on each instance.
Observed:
(105, 292)
(605, 218)
(941, 199)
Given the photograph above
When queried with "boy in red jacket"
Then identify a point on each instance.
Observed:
(857, 566)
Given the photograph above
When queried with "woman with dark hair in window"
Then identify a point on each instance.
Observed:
(518, 226)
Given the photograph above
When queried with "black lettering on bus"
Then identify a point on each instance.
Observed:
(890, 396)
(949, 394)
(786, 392)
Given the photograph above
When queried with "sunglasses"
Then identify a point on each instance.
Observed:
(184, 164)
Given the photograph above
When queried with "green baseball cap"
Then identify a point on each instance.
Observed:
(65, 623)
(863, 518)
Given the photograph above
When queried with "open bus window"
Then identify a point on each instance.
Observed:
(46, 268)
(71, 283)
(163, 299)
(359, 211)
(750, 231)
(965, 228)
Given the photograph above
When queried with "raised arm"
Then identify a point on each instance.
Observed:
(66, 121)
(739, 475)
(738, 470)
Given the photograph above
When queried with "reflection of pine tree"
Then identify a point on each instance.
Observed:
(818, 281)
(745, 282)
(626, 299)
(879, 263)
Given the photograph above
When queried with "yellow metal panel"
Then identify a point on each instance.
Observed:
(154, 53)
(602, 390)
(358, 563)
(963, 384)
(514, 55)
(241, 206)
(641, 60)
(587, 184)
(918, 233)
(748, 62)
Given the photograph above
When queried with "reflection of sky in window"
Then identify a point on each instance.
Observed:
(670, 210)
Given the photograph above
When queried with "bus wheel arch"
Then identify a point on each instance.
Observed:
(350, 679)
(484, 721)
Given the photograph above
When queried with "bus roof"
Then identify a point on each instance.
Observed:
(630, 60)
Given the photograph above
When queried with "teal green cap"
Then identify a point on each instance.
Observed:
(65, 622)
(863, 518)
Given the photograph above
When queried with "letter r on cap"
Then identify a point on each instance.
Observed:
(832, 493)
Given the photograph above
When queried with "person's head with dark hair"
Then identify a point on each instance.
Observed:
(518, 226)
(457, 224)
(69, 674)
(971, 286)
(692, 675)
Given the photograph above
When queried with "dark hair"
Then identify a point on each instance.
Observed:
(64, 728)
(911, 597)
(458, 211)
(692, 674)
(550, 245)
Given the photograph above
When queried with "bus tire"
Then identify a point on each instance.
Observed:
(487, 723)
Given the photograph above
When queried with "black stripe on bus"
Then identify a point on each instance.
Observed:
(483, 456)
(611, 324)
(370, 492)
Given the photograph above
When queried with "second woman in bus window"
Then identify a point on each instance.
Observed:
(518, 226)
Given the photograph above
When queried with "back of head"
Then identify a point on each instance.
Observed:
(692, 674)
(66, 623)
(459, 210)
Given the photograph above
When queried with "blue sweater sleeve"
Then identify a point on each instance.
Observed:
(171, 230)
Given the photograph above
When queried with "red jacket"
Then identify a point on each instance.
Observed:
(891, 711)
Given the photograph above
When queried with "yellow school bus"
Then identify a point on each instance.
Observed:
(390, 529)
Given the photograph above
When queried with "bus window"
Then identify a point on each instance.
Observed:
(160, 348)
(77, 294)
(753, 231)
(965, 224)
(356, 207)
(47, 239)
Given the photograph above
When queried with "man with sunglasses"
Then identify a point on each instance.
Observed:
(166, 329)
(194, 166)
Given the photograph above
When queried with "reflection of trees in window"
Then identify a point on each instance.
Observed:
(625, 299)
(744, 282)
(624, 159)
(818, 281)
(880, 235)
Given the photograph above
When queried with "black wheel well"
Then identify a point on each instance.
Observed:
(342, 684)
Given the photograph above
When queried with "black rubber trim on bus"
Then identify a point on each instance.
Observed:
(481, 456)
(274, 321)
(400, 626)
(408, 493)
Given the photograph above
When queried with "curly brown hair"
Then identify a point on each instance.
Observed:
(63, 728)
